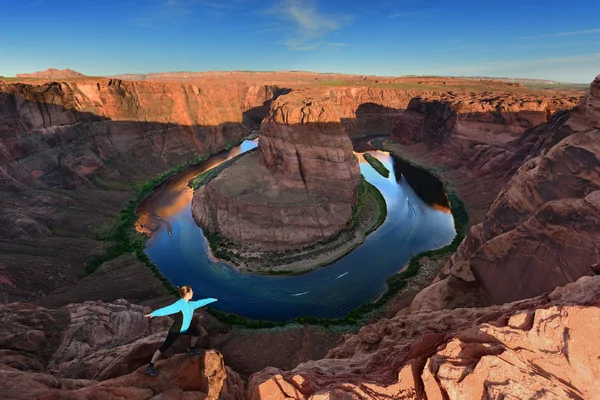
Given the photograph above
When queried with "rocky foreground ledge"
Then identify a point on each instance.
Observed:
(544, 347)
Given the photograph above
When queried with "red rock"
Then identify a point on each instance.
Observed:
(429, 122)
(93, 340)
(281, 197)
(102, 123)
(537, 347)
(305, 147)
(53, 73)
(181, 377)
(542, 231)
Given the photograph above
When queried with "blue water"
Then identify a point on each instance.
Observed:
(181, 253)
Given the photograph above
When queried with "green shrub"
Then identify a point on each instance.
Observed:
(125, 239)
(377, 165)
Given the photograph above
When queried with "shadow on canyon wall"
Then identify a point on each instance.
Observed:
(50, 146)
(428, 187)
(371, 119)
(65, 176)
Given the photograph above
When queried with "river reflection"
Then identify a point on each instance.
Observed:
(180, 251)
(174, 195)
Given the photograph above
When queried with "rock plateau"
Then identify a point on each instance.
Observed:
(53, 73)
(281, 197)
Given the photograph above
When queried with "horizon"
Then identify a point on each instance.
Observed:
(120, 74)
(543, 40)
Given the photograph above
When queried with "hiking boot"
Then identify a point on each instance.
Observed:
(194, 351)
(151, 371)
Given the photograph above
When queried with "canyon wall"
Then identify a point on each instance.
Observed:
(89, 131)
(495, 117)
(73, 153)
(107, 137)
(541, 232)
(539, 347)
(536, 348)
(431, 122)
(498, 111)
(84, 134)
(543, 229)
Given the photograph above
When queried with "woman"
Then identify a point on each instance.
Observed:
(181, 326)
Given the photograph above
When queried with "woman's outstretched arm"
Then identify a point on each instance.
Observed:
(168, 310)
(202, 302)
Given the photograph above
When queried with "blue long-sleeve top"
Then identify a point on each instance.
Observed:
(185, 307)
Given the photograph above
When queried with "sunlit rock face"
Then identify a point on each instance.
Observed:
(99, 350)
(543, 229)
(303, 144)
(535, 348)
(85, 132)
(299, 188)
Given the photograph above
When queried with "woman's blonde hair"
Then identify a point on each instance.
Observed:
(184, 290)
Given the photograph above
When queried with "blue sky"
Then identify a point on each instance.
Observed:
(534, 39)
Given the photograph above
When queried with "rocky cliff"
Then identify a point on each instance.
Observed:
(478, 117)
(85, 133)
(542, 231)
(79, 345)
(537, 348)
(541, 347)
(281, 197)
(431, 122)
(304, 145)
(72, 153)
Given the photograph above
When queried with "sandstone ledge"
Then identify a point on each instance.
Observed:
(369, 213)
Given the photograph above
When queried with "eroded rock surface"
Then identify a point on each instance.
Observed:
(537, 347)
(430, 122)
(73, 152)
(299, 188)
(88, 133)
(91, 340)
(181, 377)
(542, 231)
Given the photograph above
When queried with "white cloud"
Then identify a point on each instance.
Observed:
(177, 12)
(168, 12)
(529, 64)
(306, 23)
(559, 34)
(406, 14)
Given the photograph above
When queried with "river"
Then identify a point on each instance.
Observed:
(180, 251)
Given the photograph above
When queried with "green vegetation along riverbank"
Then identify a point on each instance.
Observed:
(123, 238)
(377, 165)
(368, 214)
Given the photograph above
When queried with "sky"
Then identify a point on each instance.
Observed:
(555, 40)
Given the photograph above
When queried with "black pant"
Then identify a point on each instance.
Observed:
(173, 335)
